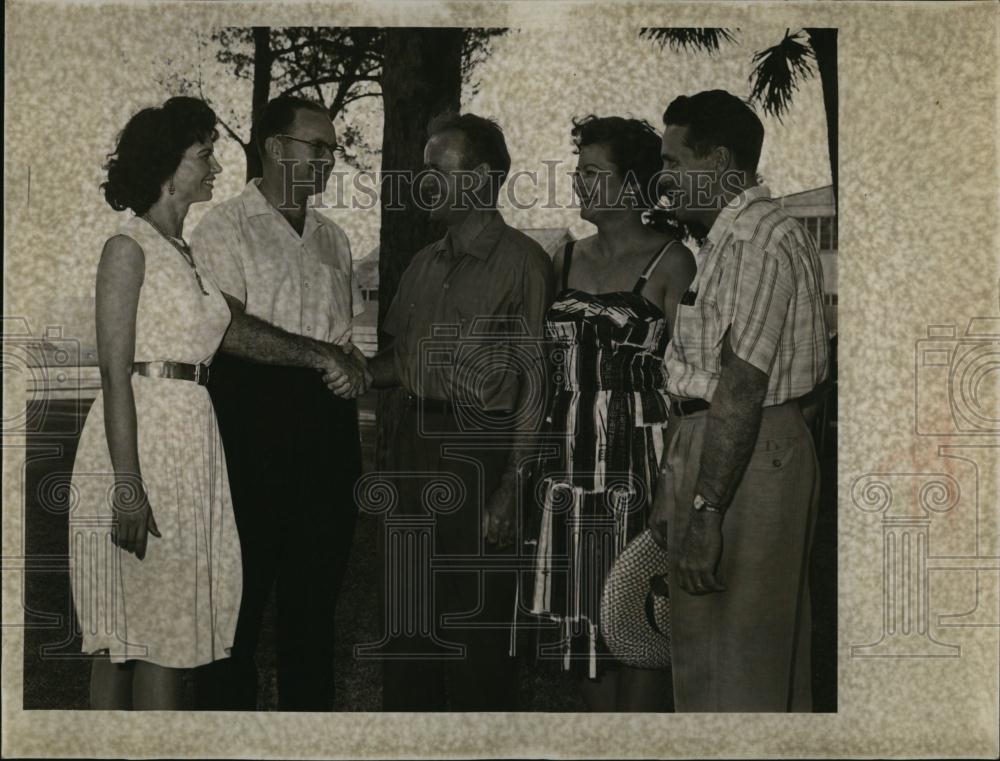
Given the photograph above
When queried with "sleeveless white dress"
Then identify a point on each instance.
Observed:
(178, 606)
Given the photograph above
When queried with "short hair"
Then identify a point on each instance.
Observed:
(278, 115)
(717, 118)
(149, 149)
(633, 146)
(484, 143)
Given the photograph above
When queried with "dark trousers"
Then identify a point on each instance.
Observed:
(443, 476)
(293, 453)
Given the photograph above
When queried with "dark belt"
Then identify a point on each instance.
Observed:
(173, 370)
(688, 407)
(437, 406)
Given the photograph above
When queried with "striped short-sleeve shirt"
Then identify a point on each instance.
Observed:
(759, 276)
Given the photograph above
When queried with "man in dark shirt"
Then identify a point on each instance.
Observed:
(467, 323)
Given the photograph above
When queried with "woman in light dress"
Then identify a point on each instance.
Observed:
(155, 557)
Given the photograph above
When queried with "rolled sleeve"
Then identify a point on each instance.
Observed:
(755, 291)
(216, 247)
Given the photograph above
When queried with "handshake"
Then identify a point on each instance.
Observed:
(345, 370)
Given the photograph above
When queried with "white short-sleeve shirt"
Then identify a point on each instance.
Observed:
(302, 284)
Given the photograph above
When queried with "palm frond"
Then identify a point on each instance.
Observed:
(688, 39)
(778, 72)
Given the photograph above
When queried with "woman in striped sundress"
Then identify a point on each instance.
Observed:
(609, 329)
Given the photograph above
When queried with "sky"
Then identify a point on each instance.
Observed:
(84, 84)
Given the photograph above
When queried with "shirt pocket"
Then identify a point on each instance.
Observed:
(687, 324)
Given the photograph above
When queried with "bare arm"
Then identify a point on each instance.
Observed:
(119, 280)
(678, 269)
(733, 424)
(251, 338)
(730, 436)
(260, 341)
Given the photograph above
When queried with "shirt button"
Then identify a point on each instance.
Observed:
(445, 285)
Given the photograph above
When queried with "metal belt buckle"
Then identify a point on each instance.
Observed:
(201, 374)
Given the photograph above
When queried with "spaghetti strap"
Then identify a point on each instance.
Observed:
(567, 259)
(641, 282)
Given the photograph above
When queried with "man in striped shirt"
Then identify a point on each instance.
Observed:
(738, 493)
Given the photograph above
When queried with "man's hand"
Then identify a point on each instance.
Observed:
(346, 375)
(695, 569)
(133, 518)
(499, 517)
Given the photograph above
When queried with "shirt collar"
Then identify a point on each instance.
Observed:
(733, 209)
(482, 245)
(256, 205)
(254, 201)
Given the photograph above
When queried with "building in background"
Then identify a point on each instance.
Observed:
(816, 210)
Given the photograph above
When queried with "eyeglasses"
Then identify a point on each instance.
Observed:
(318, 146)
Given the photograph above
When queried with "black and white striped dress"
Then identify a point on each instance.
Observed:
(609, 416)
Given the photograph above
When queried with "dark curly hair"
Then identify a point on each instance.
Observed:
(634, 147)
(150, 148)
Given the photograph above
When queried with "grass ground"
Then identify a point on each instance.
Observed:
(56, 675)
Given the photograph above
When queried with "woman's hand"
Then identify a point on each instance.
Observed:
(133, 517)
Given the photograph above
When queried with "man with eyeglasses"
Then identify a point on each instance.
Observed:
(292, 447)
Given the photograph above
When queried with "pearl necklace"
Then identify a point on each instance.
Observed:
(182, 247)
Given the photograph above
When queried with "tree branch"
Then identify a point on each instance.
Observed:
(231, 133)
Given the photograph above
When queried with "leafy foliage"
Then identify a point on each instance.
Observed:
(336, 66)
(778, 73)
(476, 48)
(689, 39)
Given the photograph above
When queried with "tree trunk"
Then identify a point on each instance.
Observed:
(254, 166)
(824, 45)
(263, 59)
(421, 77)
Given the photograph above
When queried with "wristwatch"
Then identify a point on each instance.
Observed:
(703, 505)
